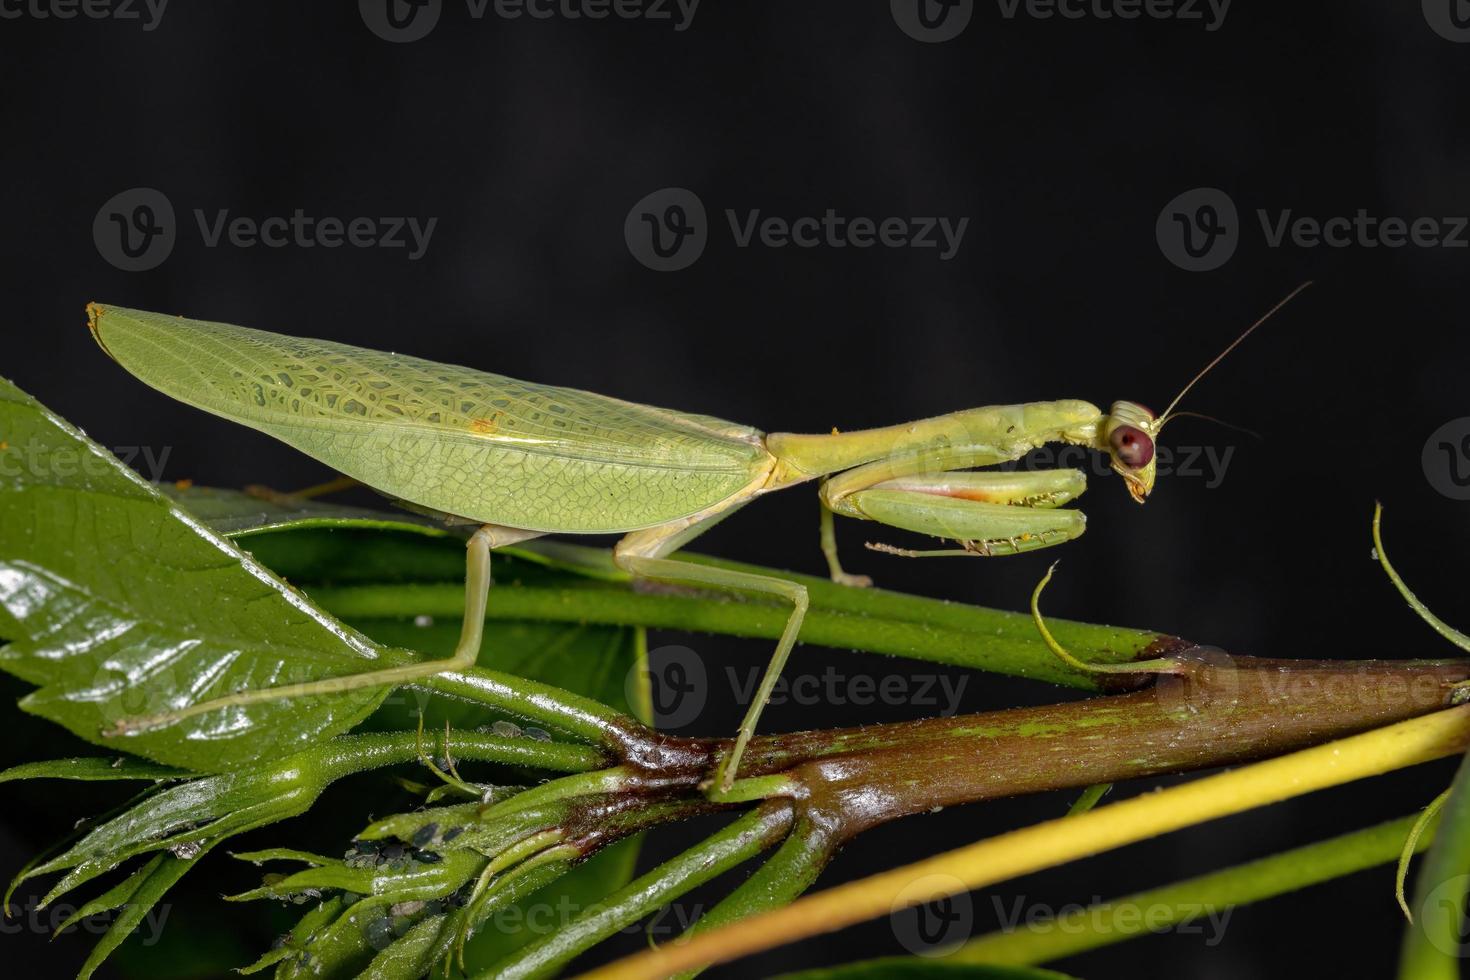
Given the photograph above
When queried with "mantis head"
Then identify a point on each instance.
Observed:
(1130, 430)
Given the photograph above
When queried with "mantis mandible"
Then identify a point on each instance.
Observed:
(523, 460)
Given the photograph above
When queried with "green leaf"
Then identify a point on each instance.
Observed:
(281, 854)
(185, 818)
(1434, 944)
(585, 887)
(94, 770)
(143, 889)
(120, 603)
(413, 881)
(202, 812)
(294, 943)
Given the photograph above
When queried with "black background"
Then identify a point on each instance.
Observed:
(1059, 139)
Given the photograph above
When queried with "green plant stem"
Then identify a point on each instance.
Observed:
(1434, 946)
(574, 714)
(784, 876)
(349, 754)
(605, 781)
(738, 842)
(872, 620)
(1148, 912)
(1090, 798)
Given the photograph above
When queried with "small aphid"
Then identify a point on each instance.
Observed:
(505, 729)
(379, 933)
(425, 835)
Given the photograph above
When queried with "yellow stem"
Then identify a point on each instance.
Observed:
(1058, 841)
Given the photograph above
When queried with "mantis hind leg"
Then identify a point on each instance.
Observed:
(988, 513)
(466, 651)
(642, 553)
(688, 573)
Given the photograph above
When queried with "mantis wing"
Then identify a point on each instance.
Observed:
(452, 439)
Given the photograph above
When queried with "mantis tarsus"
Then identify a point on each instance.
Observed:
(523, 460)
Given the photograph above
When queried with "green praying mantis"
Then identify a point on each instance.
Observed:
(523, 460)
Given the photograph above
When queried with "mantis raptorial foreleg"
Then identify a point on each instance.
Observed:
(466, 652)
(989, 513)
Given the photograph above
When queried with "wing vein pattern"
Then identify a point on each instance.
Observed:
(466, 442)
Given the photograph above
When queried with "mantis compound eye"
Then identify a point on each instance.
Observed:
(1133, 447)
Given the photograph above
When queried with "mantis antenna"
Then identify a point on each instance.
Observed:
(1218, 421)
(1169, 412)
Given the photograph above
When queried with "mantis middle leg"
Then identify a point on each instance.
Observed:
(829, 550)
